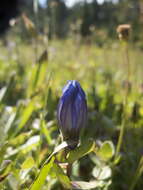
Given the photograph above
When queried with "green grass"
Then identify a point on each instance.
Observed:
(29, 94)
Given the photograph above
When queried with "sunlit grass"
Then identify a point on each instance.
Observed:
(29, 94)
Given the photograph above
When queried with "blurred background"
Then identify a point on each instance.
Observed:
(62, 18)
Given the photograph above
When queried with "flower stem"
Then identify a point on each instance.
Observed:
(125, 101)
(69, 170)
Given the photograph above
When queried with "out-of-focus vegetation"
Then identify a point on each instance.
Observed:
(39, 53)
(57, 20)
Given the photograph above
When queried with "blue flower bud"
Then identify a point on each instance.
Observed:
(72, 112)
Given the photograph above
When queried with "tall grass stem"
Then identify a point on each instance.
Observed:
(125, 101)
(138, 174)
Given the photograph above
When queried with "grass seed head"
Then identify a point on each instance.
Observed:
(123, 31)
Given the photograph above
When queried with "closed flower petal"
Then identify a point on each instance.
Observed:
(72, 112)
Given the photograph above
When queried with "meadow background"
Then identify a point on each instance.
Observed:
(46, 45)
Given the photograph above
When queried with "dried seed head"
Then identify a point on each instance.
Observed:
(123, 31)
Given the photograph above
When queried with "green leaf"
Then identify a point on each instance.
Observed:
(20, 139)
(58, 149)
(102, 173)
(2, 92)
(3, 151)
(27, 147)
(40, 180)
(30, 144)
(6, 90)
(95, 159)
(13, 182)
(117, 159)
(106, 150)
(11, 127)
(3, 136)
(5, 169)
(87, 185)
(2, 178)
(84, 149)
(10, 122)
(28, 163)
(137, 174)
(46, 132)
(65, 181)
(42, 75)
(26, 114)
(32, 75)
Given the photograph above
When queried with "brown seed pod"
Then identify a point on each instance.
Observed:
(123, 31)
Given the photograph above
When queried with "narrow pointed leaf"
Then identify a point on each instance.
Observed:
(40, 180)
(65, 181)
(86, 185)
(81, 151)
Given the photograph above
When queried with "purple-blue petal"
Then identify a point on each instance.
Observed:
(72, 110)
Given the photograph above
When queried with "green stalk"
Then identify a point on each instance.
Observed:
(125, 102)
(69, 170)
(137, 175)
(35, 8)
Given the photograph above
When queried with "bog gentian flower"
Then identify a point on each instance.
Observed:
(72, 112)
